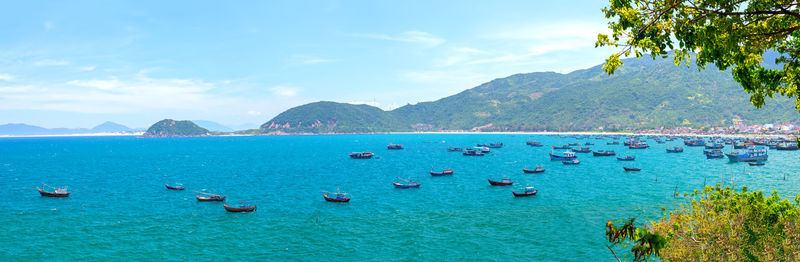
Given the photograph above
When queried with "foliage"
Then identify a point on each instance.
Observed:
(723, 224)
(726, 33)
(646, 94)
(172, 128)
(645, 243)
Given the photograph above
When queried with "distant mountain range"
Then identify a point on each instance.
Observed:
(645, 93)
(30, 130)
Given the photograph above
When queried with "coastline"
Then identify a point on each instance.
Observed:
(140, 134)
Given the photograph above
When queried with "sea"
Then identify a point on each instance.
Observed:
(119, 208)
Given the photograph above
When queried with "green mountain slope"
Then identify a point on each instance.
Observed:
(173, 128)
(644, 94)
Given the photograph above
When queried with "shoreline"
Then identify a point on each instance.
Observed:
(140, 134)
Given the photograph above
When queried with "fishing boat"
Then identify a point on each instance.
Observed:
(408, 184)
(561, 147)
(588, 144)
(713, 153)
(534, 143)
(336, 197)
(787, 147)
(604, 153)
(454, 149)
(210, 197)
(639, 145)
(676, 149)
(582, 150)
(753, 154)
(571, 162)
(626, 158)
(445, 172)
(567, 155)
(492, 145)
(631, 169)
(503, 182)
(482, 149)
(574, 144)
(471, 152)
(175, 187)
(715, 146)
(698, 142)
(537, 169)
(756, 163)
(394, 146)
(612, 143)
(527, 191)
(57, 191)
(361, 155)
(243, 207)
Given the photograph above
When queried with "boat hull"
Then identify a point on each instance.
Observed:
(529, 171)
(398, 185)
(525, 194)
(741, 158)
(210, 199)
(174, 187)
(500, 183)
(239, 209)
(53, 194)
(337, 200)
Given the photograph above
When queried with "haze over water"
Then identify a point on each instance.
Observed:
(120, 208)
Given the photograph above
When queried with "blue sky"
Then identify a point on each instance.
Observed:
(79, 63)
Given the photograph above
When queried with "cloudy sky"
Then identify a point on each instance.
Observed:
(79, 63)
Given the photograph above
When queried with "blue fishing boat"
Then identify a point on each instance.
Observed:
(715, 154)
(534, 143)
(454, 149)
(697, 142)
(604, 153)
(482, 149)
(407, 184)
(753, 154)
(361, 155)
(394, 146)
(538, 169)
(626, 158)
(567, 155)
(675, 149)
(582, 150)
(472, 152)
(491, 145)
(527, 191)
(612, 143)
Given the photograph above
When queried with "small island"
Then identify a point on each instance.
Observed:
(175, 128)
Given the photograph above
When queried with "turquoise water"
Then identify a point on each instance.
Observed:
(121, 210)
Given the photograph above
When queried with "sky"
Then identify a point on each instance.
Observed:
(80, 63)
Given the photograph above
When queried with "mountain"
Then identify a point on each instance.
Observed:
(172, 128)
(30, 130)
(644, 93)
(213, 126)
(22, 129)
(110, 127)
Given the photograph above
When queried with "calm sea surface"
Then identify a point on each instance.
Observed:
(120, 209)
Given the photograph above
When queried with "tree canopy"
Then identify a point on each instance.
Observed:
(730, 34)
(717, 224)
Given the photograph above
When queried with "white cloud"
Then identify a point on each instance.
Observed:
(254, 113)
(87, 68)
(557, 30)
(418, 37)
(283, 90)
(50, 62)
(47, 25)
(6, 77)
(309, 60)
(94, 83)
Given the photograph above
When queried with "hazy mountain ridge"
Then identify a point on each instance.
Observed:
(18, 129)
(643, 94)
